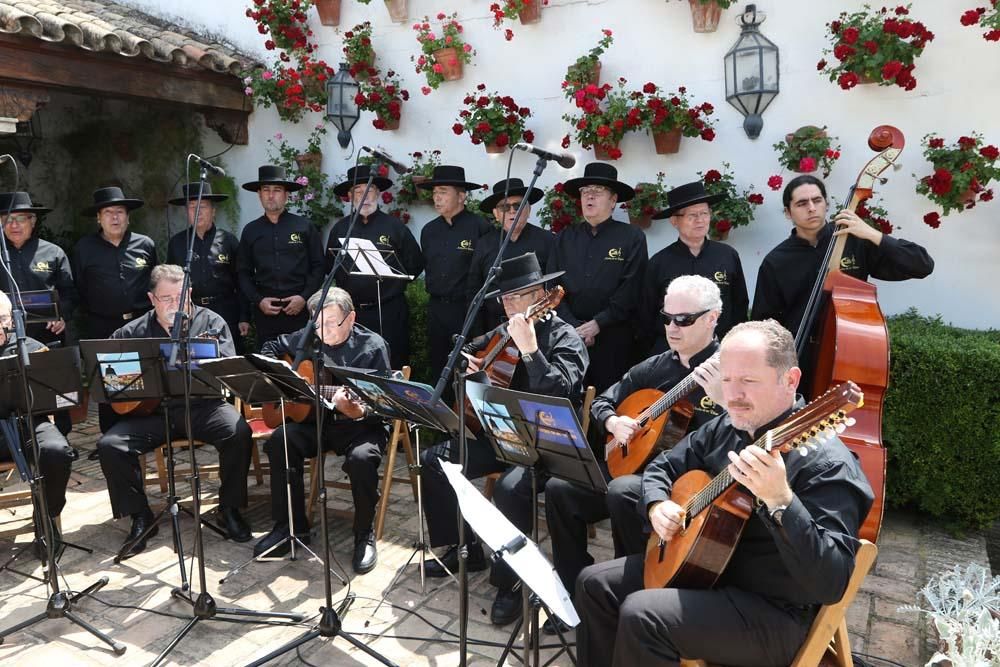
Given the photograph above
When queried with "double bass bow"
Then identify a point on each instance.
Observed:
(843, 335)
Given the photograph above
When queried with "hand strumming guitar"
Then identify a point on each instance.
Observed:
(347, 404)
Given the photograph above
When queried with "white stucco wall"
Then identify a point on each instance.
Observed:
(958, 91)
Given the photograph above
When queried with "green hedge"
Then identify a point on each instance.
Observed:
(942, 420)
(416, 297)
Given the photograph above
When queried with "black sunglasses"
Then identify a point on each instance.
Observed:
(682, 319)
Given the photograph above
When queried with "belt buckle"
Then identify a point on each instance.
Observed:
(128, 316)
(203, 301)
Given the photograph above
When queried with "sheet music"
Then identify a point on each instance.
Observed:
(368, 260)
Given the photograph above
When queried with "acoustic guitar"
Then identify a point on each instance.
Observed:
(499, 359)
(663, 418)
(716, 509)
(299, 412)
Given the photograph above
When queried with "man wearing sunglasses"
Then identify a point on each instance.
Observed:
(553, 362)
(691, 308)
(349, 432)
(212, 420)
(693, 253)
(502, 204)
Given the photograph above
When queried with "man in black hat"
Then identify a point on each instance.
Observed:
(35, 263)
(214, 280)
(112, 269)
(603, 260)
(787, 274)
(692, 254)
(212, 420)
(502, 204)
(398, 248)
(349, 431)
(448, 243)
(553, 362)
(280, 258)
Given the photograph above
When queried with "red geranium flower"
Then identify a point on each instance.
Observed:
(940, 182)
(774, 182)
(933, 219)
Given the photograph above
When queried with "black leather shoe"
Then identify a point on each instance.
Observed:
(236, 527)
(550, 625)
(506, 607)
(476, 561)
(277, 535)
(140, 522)
(365, 553)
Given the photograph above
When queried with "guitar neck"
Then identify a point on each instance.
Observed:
(676, 393)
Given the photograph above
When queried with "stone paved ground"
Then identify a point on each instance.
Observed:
(910, 550)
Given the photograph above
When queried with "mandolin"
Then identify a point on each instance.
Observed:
(664, 418)
(500, 357)
(717, 509)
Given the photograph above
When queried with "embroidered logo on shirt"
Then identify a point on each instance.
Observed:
(708, 405)
(848, 264)
(465, 244)
(295, 238)
(721, 278)
(384, 240)
(41, 267)
(223, 258)
(141, 262)
(615, 255)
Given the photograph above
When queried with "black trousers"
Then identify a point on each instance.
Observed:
(215, 422)
(395, 327)
(624, 625)
(55, 460)
(444, 319)
(361, 447)
(229, 310)
(270, 327)
(568, 510)
(610, 357)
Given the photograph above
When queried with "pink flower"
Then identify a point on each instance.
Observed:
(302, 180)
(807, 164)
(467, 48)
(425, 90)
(267, 75)
(438, 68)
(248, 90)
(279, 136)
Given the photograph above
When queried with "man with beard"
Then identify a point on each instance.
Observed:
(603, 261)
(507, 196)
(796, 551)
(214, 280)
(390, 316)
(212, 420)
(280, 258)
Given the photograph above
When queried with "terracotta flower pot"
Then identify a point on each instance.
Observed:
(601, 152)
(494, 149)
(969, 195)
(329, 11)
(450, 63)
(532, 12)
(390, 123)
(705, 17)
(642, 221)
(595, 79)
(667, 142)
(864, 78)
(309, 160)
(398, 11)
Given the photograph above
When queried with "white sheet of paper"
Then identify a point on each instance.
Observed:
(496, 530)
(368, 261)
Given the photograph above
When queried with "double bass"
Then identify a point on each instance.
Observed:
(843, 335)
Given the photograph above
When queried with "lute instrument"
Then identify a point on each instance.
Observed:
(663, 418)
(716, 509)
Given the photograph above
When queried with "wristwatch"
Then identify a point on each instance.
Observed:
(527, 357)
(777, 513)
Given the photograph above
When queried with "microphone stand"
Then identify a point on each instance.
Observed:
(330, 624)
(203, 607)
(451, 367)
(60, 603)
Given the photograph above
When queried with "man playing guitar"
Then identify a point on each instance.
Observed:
(795, 553)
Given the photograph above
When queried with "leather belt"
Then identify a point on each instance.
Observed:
(205, 300)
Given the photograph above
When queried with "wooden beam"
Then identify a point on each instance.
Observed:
(21, 102)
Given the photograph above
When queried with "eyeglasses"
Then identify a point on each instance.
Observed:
(700, 215)
(168, 299)
(26, 219)
(318, 324)
(594, 191)
(508, 206)
(682, 319)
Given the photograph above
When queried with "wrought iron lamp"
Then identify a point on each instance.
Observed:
(752, 72)
(341, 109)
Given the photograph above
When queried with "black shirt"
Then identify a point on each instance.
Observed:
(788, 272)
(532, 239)
(448, 251)
(400, 251)
(661, 372)
(113, 280)
(40, 265)
(604, 266)
(556, 368)
(280, 259)
(718, 262)
(809, 558)
(213, 266)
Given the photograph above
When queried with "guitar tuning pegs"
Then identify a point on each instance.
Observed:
(840, 428)
(850, 421)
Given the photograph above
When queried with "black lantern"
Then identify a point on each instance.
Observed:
(341, 109)
(752, 72)
(26, 134)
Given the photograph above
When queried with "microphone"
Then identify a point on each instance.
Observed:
(565, 160)
(205, 164)
(396, 166)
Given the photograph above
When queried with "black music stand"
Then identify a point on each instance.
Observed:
(371, 262)
(48, 385)
(395, 398)
(542, 434)
(41, 306)
(255, 378)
